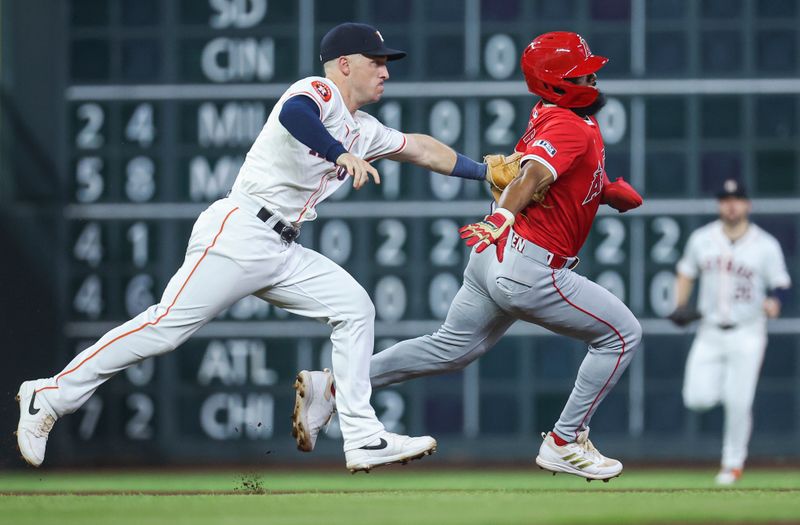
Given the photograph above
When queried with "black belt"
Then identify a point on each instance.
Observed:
(726, 326)
(287, 233)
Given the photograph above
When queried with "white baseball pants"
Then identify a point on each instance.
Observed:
(723, 367)
(232, 254)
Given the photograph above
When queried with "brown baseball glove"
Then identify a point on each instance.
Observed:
(501, 170)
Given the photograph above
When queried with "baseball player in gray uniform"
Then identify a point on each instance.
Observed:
(315, 138)
(743, 281)
(522, 265)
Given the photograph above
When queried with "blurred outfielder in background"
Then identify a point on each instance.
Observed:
(122, 120)
(742, 282)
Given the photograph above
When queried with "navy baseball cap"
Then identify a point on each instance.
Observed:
(732, 188)
(351, 39)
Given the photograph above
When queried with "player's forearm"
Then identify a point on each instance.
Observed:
(436, 156)
(517, 195)
(683, 289)
(427, 152)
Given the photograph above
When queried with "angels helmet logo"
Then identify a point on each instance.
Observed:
(584, 47)
(597, 185)
(323, 89)
(379, 35)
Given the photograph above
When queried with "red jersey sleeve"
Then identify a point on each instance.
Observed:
(556, 145)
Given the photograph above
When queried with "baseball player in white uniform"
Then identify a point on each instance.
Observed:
(743, 278)
(314, 139)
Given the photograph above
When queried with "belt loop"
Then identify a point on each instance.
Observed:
(548, 258)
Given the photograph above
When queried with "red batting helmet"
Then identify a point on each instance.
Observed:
(551, 58)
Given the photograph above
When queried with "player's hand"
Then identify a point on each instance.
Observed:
(772, 307)
(359, 169)
(621, 196)
(493, 229)
(684, 315)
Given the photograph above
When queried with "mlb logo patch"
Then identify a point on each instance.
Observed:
(546, 146)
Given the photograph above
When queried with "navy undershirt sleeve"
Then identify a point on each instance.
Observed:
(781, 294)
(300, 116)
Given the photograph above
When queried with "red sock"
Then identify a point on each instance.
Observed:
(560, 442)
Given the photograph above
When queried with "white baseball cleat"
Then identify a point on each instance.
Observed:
(579, 458)
(314, 404)
(728, 476)
(35, 423)
(387, 449)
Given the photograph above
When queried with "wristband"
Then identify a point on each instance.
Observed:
(466, 168)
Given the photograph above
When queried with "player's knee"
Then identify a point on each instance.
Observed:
(459, 356)
(461, 361)
(360, 308)
(633, 338)
(366, 308)
(698, 401)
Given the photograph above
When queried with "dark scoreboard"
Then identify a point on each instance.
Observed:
(162, 100)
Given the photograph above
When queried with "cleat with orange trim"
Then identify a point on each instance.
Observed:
(36, 420)
(728, 476)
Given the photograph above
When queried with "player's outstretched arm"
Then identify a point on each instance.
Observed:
(427, 152)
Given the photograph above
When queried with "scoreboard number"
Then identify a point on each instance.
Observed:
(90, 416)
(336, 241)
(665, 250)
(90, 137)
(609, 250)
(89, 245)
(139, 237)
(89, 178)
(499, 131)
(138, 426)
(500, 56)
(390, 298)
(140, 127)
(390, 252)
(88, 299)
(140, 185)
(445, 252)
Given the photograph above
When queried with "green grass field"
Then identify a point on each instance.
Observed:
(401, 495)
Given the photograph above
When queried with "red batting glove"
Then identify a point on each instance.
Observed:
(621, 196)
(493, 229)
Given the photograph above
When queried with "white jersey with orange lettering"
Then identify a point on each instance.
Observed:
(293, 182)
(734, 276)
(244, 245)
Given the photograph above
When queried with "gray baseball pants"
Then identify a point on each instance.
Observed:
(493, 296)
